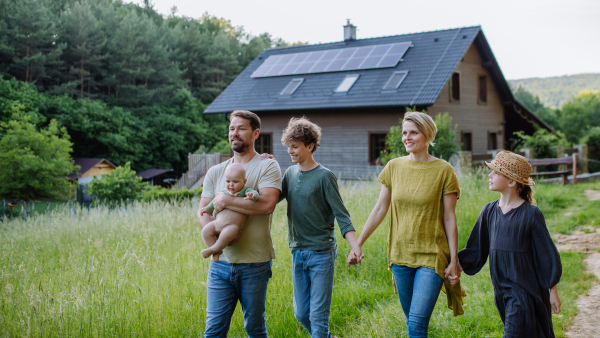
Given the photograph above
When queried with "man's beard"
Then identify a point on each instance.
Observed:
(240, 147)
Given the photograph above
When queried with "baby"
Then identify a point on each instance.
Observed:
(228, 223)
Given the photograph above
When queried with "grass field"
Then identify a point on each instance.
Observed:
(140, 273)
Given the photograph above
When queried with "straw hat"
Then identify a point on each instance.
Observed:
(513, 166)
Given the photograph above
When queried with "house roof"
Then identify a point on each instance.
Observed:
(151, 173)
(429, 62)
(86, 164)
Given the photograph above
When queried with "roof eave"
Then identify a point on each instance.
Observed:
(508, 98)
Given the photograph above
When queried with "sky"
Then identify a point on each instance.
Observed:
(530, 38)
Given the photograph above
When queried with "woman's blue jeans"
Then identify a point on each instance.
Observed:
(312, 277)
(418, 290)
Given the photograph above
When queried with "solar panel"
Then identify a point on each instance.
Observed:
(333, 60)
(395, 80)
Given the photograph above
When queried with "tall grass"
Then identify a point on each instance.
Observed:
(139, 273)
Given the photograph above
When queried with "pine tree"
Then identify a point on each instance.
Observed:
(83, 55)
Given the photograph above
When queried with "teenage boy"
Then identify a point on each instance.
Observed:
(314, 202)
(243, 270)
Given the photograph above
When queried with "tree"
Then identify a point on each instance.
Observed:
(119, 185)
(34, 163)
(28, 48)
(84, 51)
(445, 140)
(526, 98)
(542, 142)
(580, 114)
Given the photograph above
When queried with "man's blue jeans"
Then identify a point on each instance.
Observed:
(312, 277)
(418, 290)
(228, 283)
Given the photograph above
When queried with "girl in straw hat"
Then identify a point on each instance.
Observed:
(524, 262)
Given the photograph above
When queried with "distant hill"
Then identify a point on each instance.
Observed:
(555, 91)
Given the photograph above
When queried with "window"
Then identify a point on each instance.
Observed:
(347, 83)
(455, 87)
(376, 145)
(291, 87)
(482, 89)
(263, 144)
(395, 81)
(492, 141)
(467, 141)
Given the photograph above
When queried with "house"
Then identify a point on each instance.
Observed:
(90, 167)
(161, 177)
(357, 89)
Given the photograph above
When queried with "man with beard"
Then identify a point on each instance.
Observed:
(243, 271)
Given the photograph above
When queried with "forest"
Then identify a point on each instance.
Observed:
(557, 90)
(127, 83)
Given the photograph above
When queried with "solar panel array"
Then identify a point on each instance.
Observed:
(333, 60)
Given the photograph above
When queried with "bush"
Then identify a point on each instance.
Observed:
(445, 140)
(592, 139)
(542, 142)
(153, 193)
(120, 184)
(34, 163)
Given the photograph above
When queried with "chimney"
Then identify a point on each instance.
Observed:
(349, 31)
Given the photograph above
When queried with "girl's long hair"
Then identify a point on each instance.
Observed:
(526, 193)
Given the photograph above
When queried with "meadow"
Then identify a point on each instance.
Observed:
(117, 273)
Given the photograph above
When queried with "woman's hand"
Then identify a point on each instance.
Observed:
(555, 300)
(355, 256)
(452, 272)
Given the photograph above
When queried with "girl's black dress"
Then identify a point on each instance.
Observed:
(524, 265)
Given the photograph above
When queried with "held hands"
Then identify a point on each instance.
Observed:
(249, 195)
(355, 256)
(452, 272)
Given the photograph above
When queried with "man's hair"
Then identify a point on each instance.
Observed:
(248, 115)
(302, 130)
(424, 123)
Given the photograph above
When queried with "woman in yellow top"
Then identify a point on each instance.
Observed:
(423, 238)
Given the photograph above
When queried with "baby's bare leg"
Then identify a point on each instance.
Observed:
(209, 234)
(227, 235)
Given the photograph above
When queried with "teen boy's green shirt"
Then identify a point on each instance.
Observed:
(314, 202)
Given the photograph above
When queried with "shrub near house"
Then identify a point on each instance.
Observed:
(122, 184)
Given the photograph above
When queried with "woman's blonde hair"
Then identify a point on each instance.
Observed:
(424, 123)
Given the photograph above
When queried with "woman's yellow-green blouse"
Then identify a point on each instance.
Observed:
(417, 237)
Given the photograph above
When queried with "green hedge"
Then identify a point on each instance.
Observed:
(153, 193)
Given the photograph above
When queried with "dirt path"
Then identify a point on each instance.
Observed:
(587, 322)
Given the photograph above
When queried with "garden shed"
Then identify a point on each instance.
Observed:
(161, 177)
(90, 167)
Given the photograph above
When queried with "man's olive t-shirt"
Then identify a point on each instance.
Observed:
(255, 244)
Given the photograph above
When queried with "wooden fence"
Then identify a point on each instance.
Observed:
(198, 165)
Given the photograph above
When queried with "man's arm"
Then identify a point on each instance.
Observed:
(267, 200)
(206, 217)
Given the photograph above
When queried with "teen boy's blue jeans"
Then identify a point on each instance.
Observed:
(418, 290)
(228, 283)
(312, 277)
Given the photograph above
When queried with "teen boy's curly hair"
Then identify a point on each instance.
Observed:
(302, 130)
